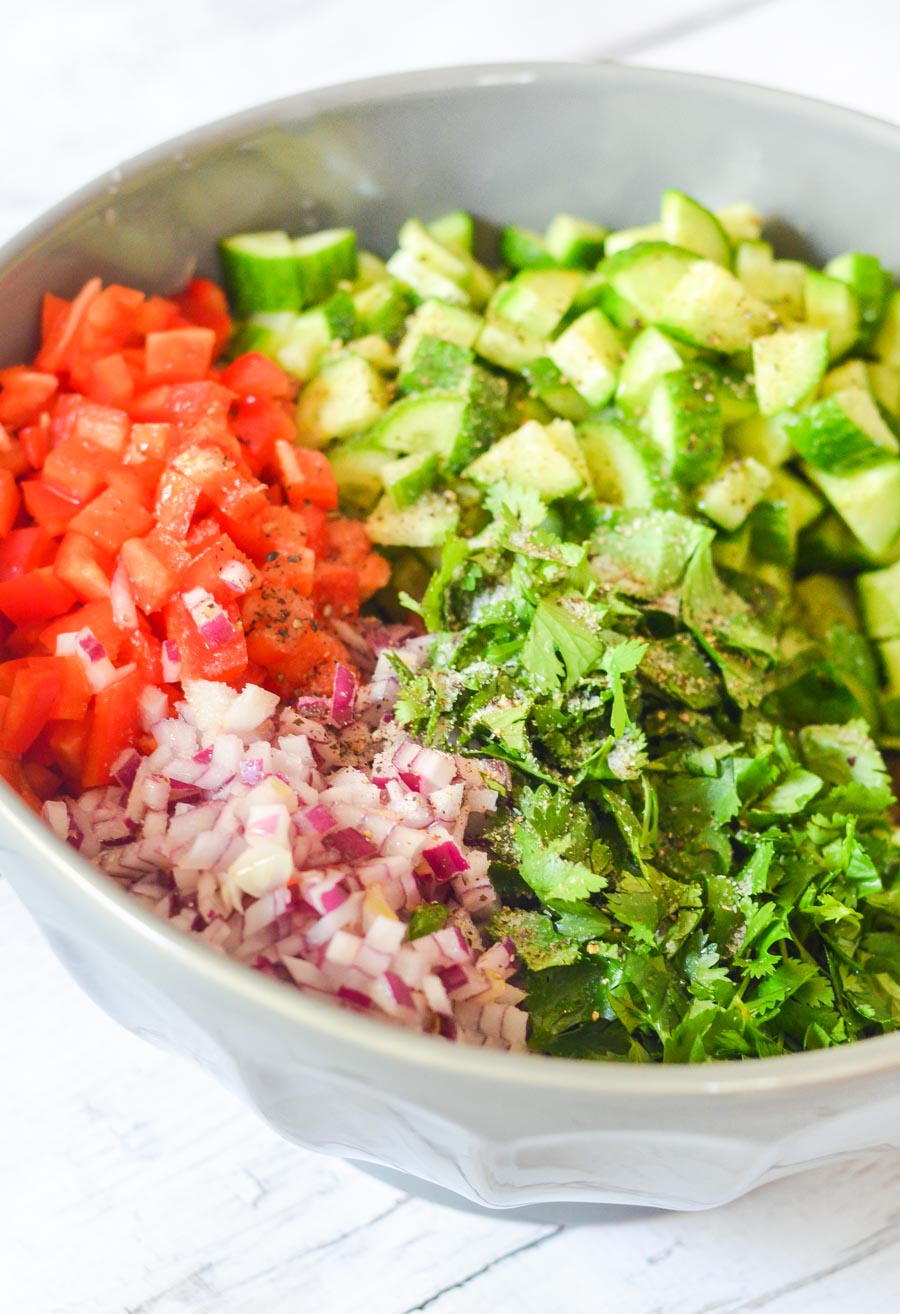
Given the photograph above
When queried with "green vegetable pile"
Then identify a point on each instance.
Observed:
(644, 489)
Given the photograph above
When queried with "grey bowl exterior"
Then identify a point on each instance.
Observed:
(506, 142)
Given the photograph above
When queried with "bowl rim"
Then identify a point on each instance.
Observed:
(123, 914)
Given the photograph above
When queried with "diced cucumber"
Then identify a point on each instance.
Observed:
(624, 467)
(529, 456)
(370, 269)
(407, 477)
(889, 653)
(589, 354)
(377, 351)
(732, 551)
(346, 397)
(454, 229)
(507, 345)
(626, 237)
(644, 276)
(260, 273)
(832, 305)
(688, 224)
(536, 300)
(851, 374)
(886, 345)
(424, 280)
(770, 535)
(779, 283)
(427, 523)
(868, 501)
(550, 386)
(763, 437)
(383, 308)
(685, 424)
(574, 243)
(830, 435)
(301, 341)
(357, 466)
(788, 366)
(829, 544)
(650, 356)
(822, 601)
(730, 386)
(737, 487)
(884, 381)
(871, 284)
(879, 598)
(708, 307)
(425, 423)
(803, 503)
(522, 248)
(435, 319)
(322, 260)
(742, 222)
(435, 363)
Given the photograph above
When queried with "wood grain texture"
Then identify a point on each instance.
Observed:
(129, 1182)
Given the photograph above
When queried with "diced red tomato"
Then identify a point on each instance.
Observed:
(111, 518)
(35, 597)
(202, 302)
(10, 501)
(23, 394)
(94, 616)
(200, 661)
(78, 469)
(261, 423)
(176, 501)
(179, 355)
(205, 570)
(84, 567)
(306, 476)
(110, 381)
(23, 550)
(255, 375)
(49, 508)
(32, 701)
(153, 576)
(115, 725)
(63, 326)
(182, 402)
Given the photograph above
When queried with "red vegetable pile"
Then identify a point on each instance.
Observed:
(157, 525)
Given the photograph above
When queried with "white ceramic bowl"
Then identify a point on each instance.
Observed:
(510, 143)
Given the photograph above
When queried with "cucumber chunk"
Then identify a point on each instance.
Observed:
(764, 437)
(627, 237)
(347, 396)
(427, 523)
(780, 284)
(260, 273)
(742, 222)
(788, 366)
(437, 319)
(457, 228)
(685, 425)
(736, 489)
(650, 356)
(868, 501)
(643, 277)
(708, 307)
(426, 422)
(822, 601)
(688, 224)
(625, 469)
(886, 345)
(879, 598)
(522, 248)
(536, 300)
(383, 309)
(435, 363)
(870, 282)
(589, 354)
(407, 477)
(841, 433)
(530, 456)
(322, 260)
(832, 305)
(357, 465)
(550, 385)
(574, 243)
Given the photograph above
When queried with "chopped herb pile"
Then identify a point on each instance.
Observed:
(693, 865)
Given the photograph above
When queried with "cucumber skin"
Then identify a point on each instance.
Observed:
(826, 437)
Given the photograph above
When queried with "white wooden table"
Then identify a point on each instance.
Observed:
(129, 1182)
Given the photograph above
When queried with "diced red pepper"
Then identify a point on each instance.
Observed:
(10, 501)
(48, 507)
(32, 701)
(35, 598)
(24, 393)
(23, 550)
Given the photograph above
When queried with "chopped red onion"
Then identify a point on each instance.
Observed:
(121, 599)
(171, 661)
(343, 697)
(445, 860)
